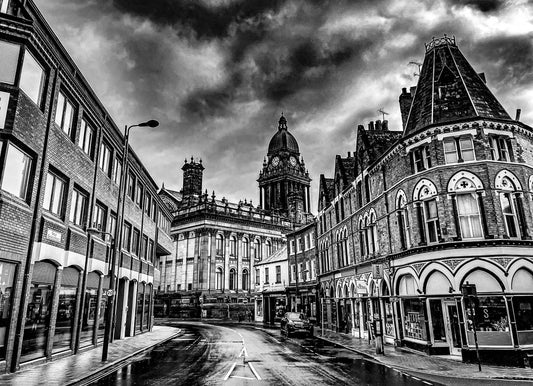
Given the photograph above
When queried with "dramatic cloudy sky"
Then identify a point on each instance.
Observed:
(218, 73)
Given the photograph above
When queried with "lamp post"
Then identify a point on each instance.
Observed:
(116, 245)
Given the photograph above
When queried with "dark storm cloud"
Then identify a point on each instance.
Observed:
(486, 6)
(197, 17)
(509, 58)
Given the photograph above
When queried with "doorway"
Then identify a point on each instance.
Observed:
(453, 330)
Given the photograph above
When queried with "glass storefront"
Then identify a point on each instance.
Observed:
(523, 309)
(414, 320)
(38, 312)
(492, 323)
(66, 310)
(89, 309)
(7, 276)
(139, 311)
(102, 312)
(146, 311)
(389, 322)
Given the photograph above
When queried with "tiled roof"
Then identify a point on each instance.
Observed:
(449, 89)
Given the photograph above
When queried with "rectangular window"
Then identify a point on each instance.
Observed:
(86, 137)
(450, 151)
(104, 158)
(8, 60)
(7, 282)
(298, 245)
(32, 78)
(147, 204)
(421, 158)
(467, 149)
(500, 148)
(126, 236)
(257, 276)
(432, 220)
(469, 217)
(117, 170)
(292, 247)
(99, 217)
(112, 224)
(144, 247)
(54, 194)
(266, 275)
(131, 186)
(150, 251)
(293, 272)
(135, 242)
(139, 195)
(17, 170)
(78, 208)
(278, 273)
(64, 114)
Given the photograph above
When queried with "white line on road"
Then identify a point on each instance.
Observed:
(238, 376)
(230, 371)
(253, 371)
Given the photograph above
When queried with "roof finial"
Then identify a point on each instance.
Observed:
(282, 122)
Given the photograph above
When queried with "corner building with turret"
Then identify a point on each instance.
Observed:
(447, 202)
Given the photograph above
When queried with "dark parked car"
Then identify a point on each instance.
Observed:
(296, 322)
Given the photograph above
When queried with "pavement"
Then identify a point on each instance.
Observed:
(87, 365)
(414, 362)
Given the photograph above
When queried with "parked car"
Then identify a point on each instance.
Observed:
(294, 323)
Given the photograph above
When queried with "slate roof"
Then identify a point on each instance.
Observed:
(449, 89)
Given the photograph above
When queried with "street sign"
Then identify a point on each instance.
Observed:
(469, 289)
(377, 271)
(110, 292)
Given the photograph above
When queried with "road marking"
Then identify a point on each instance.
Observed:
(238, 376)
(243, 351)
(254, 371)
(230, 371)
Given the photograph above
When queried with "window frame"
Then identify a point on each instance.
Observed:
(473, 195)
(42, 82)
(84, 143)
(67, 102)
(49, 206)
(79, 202)
(26, 183)
(105, 157)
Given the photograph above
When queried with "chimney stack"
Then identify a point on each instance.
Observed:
(371, 126)
(518, 112)
(406, 98)
(378, 124)
(349, 154)
(385, 125)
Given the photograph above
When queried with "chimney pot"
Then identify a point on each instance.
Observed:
(378, 124)
(371, 126)
(349, 154)
(518, 113)
(385, 125)
(404, 90)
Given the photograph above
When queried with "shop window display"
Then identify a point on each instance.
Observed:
(492, 322)
(414, 319)
(7, 275)
(66, 309)
(523, 309)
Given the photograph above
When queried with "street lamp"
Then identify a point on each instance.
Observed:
(116, 243)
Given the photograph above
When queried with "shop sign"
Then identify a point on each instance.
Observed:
(361, 287)
(4, 100)
(53, 235)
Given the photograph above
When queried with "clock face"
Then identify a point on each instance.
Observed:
(275, 161)
(293, 161)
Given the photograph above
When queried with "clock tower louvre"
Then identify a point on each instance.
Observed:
(284, 179)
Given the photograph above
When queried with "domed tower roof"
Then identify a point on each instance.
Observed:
(449, 89)
(283, 140)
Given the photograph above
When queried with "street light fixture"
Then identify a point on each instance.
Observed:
(116, 239)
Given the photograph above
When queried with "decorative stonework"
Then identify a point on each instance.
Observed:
(503, 261)
(418, 267)
(452, 263)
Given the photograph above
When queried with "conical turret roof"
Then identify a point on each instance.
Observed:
(449, 89)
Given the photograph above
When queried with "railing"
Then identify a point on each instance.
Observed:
(435, 42)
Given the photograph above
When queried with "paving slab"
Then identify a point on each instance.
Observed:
(77, 369)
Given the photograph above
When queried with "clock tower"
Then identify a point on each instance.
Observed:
(284, 179)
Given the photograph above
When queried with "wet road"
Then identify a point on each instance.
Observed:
(243, 355)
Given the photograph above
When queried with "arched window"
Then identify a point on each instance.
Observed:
(245, 279)
(245, 248)
(219, 278)
(268, 246)
(219, 245)
(232, 279)
(257, 249)
(345, 247)
(373, 230)
(466, 189)
(362, 239)
(511, 203)
(403, 220)
(425, 198)
(340, 252)
(233, 246)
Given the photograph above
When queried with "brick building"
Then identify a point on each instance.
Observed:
(446, 202)
(60, 164)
